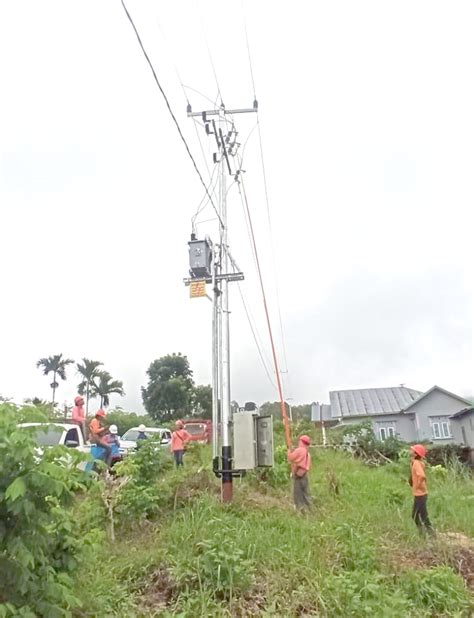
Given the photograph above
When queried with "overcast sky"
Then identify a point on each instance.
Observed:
(366, 116)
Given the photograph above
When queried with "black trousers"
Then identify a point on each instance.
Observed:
(178, 457)
(420, 513)
(301, 492)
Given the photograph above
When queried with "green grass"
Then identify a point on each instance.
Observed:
(356, 554)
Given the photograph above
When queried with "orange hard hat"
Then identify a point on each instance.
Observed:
(305, 439)
(419, 450)
(78, 400)
(100, 412)
(179, 424)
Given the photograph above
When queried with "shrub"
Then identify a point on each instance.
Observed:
(361, 440)
(38, 546)
(278, 475)
(446, 453)
(439, 590)
(141, 497)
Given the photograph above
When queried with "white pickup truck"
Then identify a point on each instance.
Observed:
(59, 434)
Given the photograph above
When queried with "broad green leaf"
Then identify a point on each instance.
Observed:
(16, 490)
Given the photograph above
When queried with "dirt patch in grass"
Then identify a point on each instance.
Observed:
(194, 486)
(253, 499)
(450, 548)
(159, 591)
(251, 604)
(460, 555)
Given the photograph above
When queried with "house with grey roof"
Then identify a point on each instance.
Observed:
(406, 413)
(462, 424)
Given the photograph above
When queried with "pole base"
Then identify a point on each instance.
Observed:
(226, 491)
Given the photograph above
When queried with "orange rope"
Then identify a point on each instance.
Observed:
(284, 415)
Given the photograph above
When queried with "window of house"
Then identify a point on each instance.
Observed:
(441, 430)
(386, 432)
(445, 429)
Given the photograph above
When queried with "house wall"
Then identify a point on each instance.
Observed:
(403, 424)
(465, 421)
(435, 407)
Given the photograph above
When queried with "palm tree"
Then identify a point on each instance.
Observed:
(57, 366)
(89, 370)
(103, 386)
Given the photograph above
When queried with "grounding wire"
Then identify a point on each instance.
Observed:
(183, 87)
(253, 249)
(267, 316)
(272, 245)
(267, 201)
(255, 337)
(249, 56)
(170, 110)
(203, 203)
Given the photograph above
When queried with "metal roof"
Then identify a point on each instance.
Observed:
(370, 401)
(320, 412)
(442, 390)
(462, 412)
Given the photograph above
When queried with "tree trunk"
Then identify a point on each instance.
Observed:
(54, 390)
(87, 398)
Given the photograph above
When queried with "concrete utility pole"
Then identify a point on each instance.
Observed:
(222, 270)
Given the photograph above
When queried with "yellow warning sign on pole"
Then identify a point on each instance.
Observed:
(197, 289)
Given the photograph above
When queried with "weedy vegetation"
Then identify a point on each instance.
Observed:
(179, 552)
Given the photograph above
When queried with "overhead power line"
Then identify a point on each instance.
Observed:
(267, 201)
(254, 333)
(169, 108)
(267, 316)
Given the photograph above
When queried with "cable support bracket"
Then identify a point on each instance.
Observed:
(225, 277)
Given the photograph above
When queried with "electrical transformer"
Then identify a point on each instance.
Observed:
(253, 440)
(200, 258)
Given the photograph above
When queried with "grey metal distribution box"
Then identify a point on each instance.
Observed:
(200, 258)
(264, 426)
(253, 440)
(245, 442)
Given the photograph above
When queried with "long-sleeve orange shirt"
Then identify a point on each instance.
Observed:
(179, 439)
(418, 478)
(299, 458)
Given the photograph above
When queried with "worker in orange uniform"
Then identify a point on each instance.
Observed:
(79, 415)
(179, 439)
(300, 461)
(419, 489)
(98, 430)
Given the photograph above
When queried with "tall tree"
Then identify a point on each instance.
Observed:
(202, 401)
(57, 366)
(103, 386)
(170, 388)
(89, 370)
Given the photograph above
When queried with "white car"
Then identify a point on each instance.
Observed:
(128, 442)
(59, 434)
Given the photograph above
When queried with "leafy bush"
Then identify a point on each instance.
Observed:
(439, 590)
(445, 453)
(357, 593)
(355, 548)
(361, 440)
(222, 565)
(38, 547)
(278, 475)
(141, 497)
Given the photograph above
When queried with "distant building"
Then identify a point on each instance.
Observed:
(437, 415)
(462, 423)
